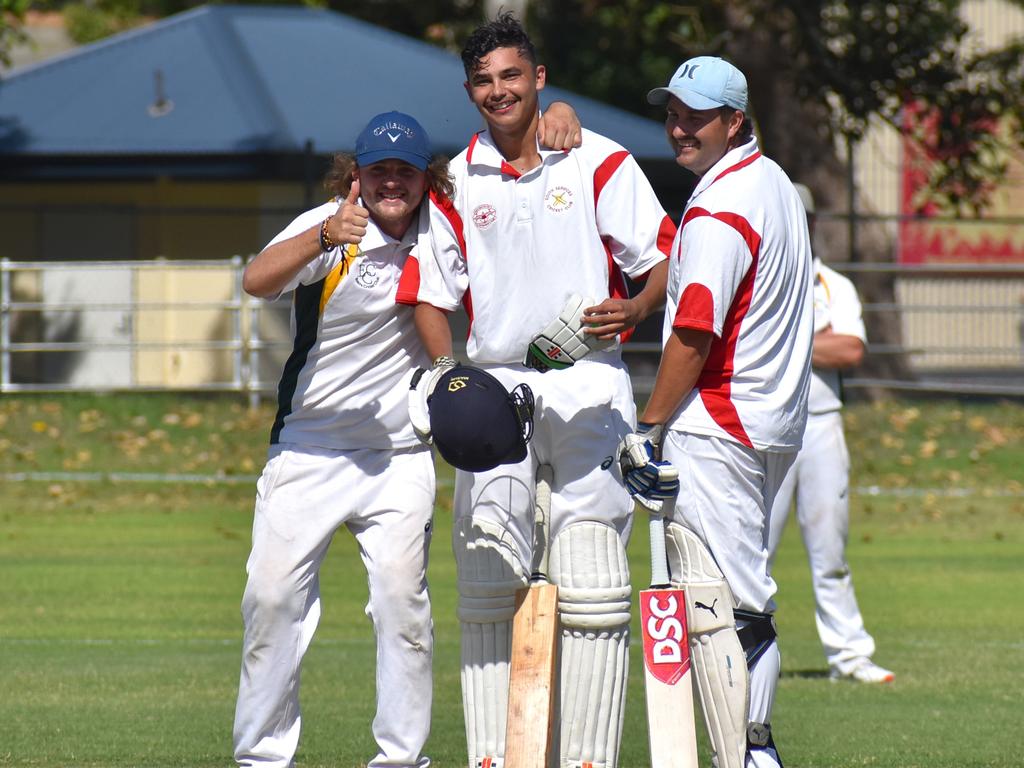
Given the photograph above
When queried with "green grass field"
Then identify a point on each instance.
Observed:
(119, 597)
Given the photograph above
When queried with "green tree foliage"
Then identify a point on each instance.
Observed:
(906, 63)
(439, 21)
(819, 70)
(12, 14)
(90, 21)
(836, 63)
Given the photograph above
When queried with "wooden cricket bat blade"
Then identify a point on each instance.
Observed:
(671, 726)
(531, 688)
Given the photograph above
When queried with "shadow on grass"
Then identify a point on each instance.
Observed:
(806, 674)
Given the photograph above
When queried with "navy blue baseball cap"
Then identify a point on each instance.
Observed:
(476, 423)
(393, 136)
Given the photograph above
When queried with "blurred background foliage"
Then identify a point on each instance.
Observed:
(819, 70)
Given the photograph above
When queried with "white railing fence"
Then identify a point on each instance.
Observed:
(188, 326)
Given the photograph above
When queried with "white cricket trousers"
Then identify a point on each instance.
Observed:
(820, 481)
(385, 498)
(726, 491)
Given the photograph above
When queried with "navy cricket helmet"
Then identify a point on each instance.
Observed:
(476, 423)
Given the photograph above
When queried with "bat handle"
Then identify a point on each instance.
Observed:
(659, 558)
(542, 522)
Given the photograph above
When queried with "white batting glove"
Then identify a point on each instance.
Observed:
(649, 481)
(563, 341)
(420, 390)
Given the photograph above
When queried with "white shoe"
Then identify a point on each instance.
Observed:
(862, 671)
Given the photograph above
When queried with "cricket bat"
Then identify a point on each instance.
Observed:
(670, 717)
(533, 664)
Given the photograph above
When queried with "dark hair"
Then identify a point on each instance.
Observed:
(504, 32)
(338, 180)
(746, 128)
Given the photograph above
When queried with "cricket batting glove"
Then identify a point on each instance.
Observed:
(564, 341)
(420, 390)
(649, 481)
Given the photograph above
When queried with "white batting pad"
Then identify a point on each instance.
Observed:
(588, 562)
(489, 573)
(719, 664)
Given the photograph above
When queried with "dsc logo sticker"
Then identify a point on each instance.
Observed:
(663, 619)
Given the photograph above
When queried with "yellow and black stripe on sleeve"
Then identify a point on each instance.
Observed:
(309, 303)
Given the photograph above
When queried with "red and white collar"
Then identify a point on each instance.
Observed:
(483, 151)
(733, 160)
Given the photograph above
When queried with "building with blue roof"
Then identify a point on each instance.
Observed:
(200, 135)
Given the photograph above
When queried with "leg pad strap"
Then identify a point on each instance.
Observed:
(757, 633)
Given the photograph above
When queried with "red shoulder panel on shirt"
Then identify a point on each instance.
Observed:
(447, 207)
(666, 236)
(715, 382)
(605, 171)
(409, 282)
(734, 220)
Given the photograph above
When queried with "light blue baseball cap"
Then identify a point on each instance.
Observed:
(704, 82)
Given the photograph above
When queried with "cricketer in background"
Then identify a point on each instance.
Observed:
(820, 477)
(730, 398)
(529, 234)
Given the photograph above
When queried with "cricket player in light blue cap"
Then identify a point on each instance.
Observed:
(729, 403)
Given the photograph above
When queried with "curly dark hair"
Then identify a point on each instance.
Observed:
(504, 32)
(338, 180)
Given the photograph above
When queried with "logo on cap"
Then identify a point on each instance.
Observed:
(688, 70)
(390, 126)
(477, 424)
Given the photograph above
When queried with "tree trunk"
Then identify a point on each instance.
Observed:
(794, 132)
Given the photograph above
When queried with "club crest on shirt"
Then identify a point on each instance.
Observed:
(558, 199)
(484, 215)
(367, 277)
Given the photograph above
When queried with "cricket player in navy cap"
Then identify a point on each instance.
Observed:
(343, 451)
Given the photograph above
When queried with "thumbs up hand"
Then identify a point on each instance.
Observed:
(348, 224)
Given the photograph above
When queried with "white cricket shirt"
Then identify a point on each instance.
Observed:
(512, 248)
(741, 268)
(836, 304)
(345, 384)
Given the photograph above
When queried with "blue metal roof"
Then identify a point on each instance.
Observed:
(254, 80)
